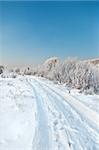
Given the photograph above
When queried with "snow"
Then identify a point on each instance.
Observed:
(17, 115)
(36, 114)
(89, 100)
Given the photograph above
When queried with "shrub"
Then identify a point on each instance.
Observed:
(1, 69)
(74, 73)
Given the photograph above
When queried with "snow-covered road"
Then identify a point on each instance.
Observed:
(36, 114)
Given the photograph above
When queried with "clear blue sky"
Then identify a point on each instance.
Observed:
(33, 31)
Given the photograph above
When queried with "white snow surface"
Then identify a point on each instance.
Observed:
(36, 114)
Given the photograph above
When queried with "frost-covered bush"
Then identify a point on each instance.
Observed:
(17, 70)
(64, 72)
(29, 71)
(68, 71)
(9, 75)
(86, 77)
(74, 73)
(1, 69)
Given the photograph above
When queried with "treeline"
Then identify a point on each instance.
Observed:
(72, 72)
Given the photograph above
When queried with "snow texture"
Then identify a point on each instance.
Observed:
(36, 114)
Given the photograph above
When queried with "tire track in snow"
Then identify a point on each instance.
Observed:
(89, 114)
(41, 138)
(59, 136)
(85, 127)
(70, 133)
(62, 135)
(89, 105)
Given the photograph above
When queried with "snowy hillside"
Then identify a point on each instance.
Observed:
(36, 114)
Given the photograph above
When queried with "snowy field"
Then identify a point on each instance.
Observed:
(36, 114)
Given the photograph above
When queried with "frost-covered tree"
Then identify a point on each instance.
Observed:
(74, 73)
(48, 67)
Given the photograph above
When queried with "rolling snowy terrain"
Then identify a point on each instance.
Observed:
(36, 114)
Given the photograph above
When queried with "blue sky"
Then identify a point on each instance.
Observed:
(33, 31)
